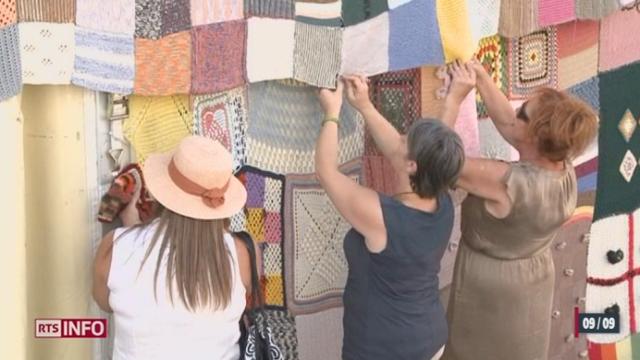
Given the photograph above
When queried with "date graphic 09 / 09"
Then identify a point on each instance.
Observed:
(598, 323)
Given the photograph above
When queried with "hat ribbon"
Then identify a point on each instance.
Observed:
(213, 197)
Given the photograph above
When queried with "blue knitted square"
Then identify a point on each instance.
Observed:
(10, 69)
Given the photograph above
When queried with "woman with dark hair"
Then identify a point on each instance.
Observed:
(501, 296)
(177, 285)
(392, 308)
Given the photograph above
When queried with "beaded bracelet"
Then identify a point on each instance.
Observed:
(331, 119)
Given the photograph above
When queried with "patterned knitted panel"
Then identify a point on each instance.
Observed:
(619, 142)
(325, 14)
(47, 51)
(176, 16)
(414, 36)
(59, 11)
(533, 63)
(212, 11)
(316, 57)
(518, 17)
(484, 16)
(365, 47)
(357, 11)
(455, 28)
(270, 8)
(163, 67)
(8, 12)
(104, 61)
(552, 12)
(595, 9)
(218, 56)
(315, 266)
(10, 69)
(268, 59)
(577, 52)
(223, 117)
(149, 19)
(284, 121)
(118, 17)
(492, 54)
(619, 43)
(157, 124)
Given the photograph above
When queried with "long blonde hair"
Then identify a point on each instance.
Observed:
(198, 260)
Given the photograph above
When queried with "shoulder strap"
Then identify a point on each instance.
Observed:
(256, 292)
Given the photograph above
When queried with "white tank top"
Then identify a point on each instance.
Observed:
(150, 329)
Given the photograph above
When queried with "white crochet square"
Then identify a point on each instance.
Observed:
(47, 52)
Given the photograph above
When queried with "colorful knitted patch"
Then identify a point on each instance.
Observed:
(619, 44)
(218, 57)
(158, 18)
(10, 69)
(212, 11)
(357, 11)
(118, 17)
(8, 12)
(619, 142)
(577, 52)
(317, 54)
(270, 8)
(163, 67)
(315, 266)
(223, 117)
(414, 36)
(57, 11)
(47, 51)
(532, 63)
(104, 61)
(492, 54)
(365, 47)
(267, 59)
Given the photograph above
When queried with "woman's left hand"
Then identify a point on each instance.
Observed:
(463, 80)
(331, 100)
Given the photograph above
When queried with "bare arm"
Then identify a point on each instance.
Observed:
(101, 267)
(359, 205)
(244, 262)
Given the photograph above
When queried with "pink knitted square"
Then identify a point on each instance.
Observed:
(619, 40)
(272, 228)
(552, 12)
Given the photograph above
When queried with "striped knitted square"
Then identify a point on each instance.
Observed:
(10, 69)
(270, 8)
(212, 11)
(492, 54)
(414, 36)
(218, 56)
(552, 12)
(59, 11)
(47, 51)
(619, 40)
(119, 17)
(518, 17)
(577, 52)
(8, 12)
(533, 63)
(357, 11)
(223, 117)
(104, 61)
(315, 266)
(268, 58)
(163, 67)
(324, 14)
(595, 9)
(157, 124)
(317, 54)
(365, 47)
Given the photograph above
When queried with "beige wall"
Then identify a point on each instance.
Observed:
(58, 246)
(13, 324)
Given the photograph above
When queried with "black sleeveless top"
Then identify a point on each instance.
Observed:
(392, 308)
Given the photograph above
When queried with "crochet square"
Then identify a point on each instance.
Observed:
(284, 9)
(57, 11)
(223, 117)
(323, 14)
(47, 51)
(218, 57)
(255, 223)
(274, 290)
(212, 11)
(577, 52)
(414, 36)
(365, 47)
(8, 12)
(119, 17)
(284, 122)
(532, 63)
(10, 69)
(272, 227)
(317, 54)
(357, 11)
(157, 124)
(315, 266)
(163, 67)
(492, 54)
(619, 43)
(268, 59)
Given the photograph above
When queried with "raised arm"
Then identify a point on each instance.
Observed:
(359, 205)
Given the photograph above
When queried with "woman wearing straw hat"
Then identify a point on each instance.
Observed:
(391, 305)
(177, 285)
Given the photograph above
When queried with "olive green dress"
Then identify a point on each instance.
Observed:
(502, 290)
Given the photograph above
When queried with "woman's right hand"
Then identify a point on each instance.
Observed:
(358, 91)
(463, 80)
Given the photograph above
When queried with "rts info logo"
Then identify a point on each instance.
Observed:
(71, 328)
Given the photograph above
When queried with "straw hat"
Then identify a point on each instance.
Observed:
(196, 180)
